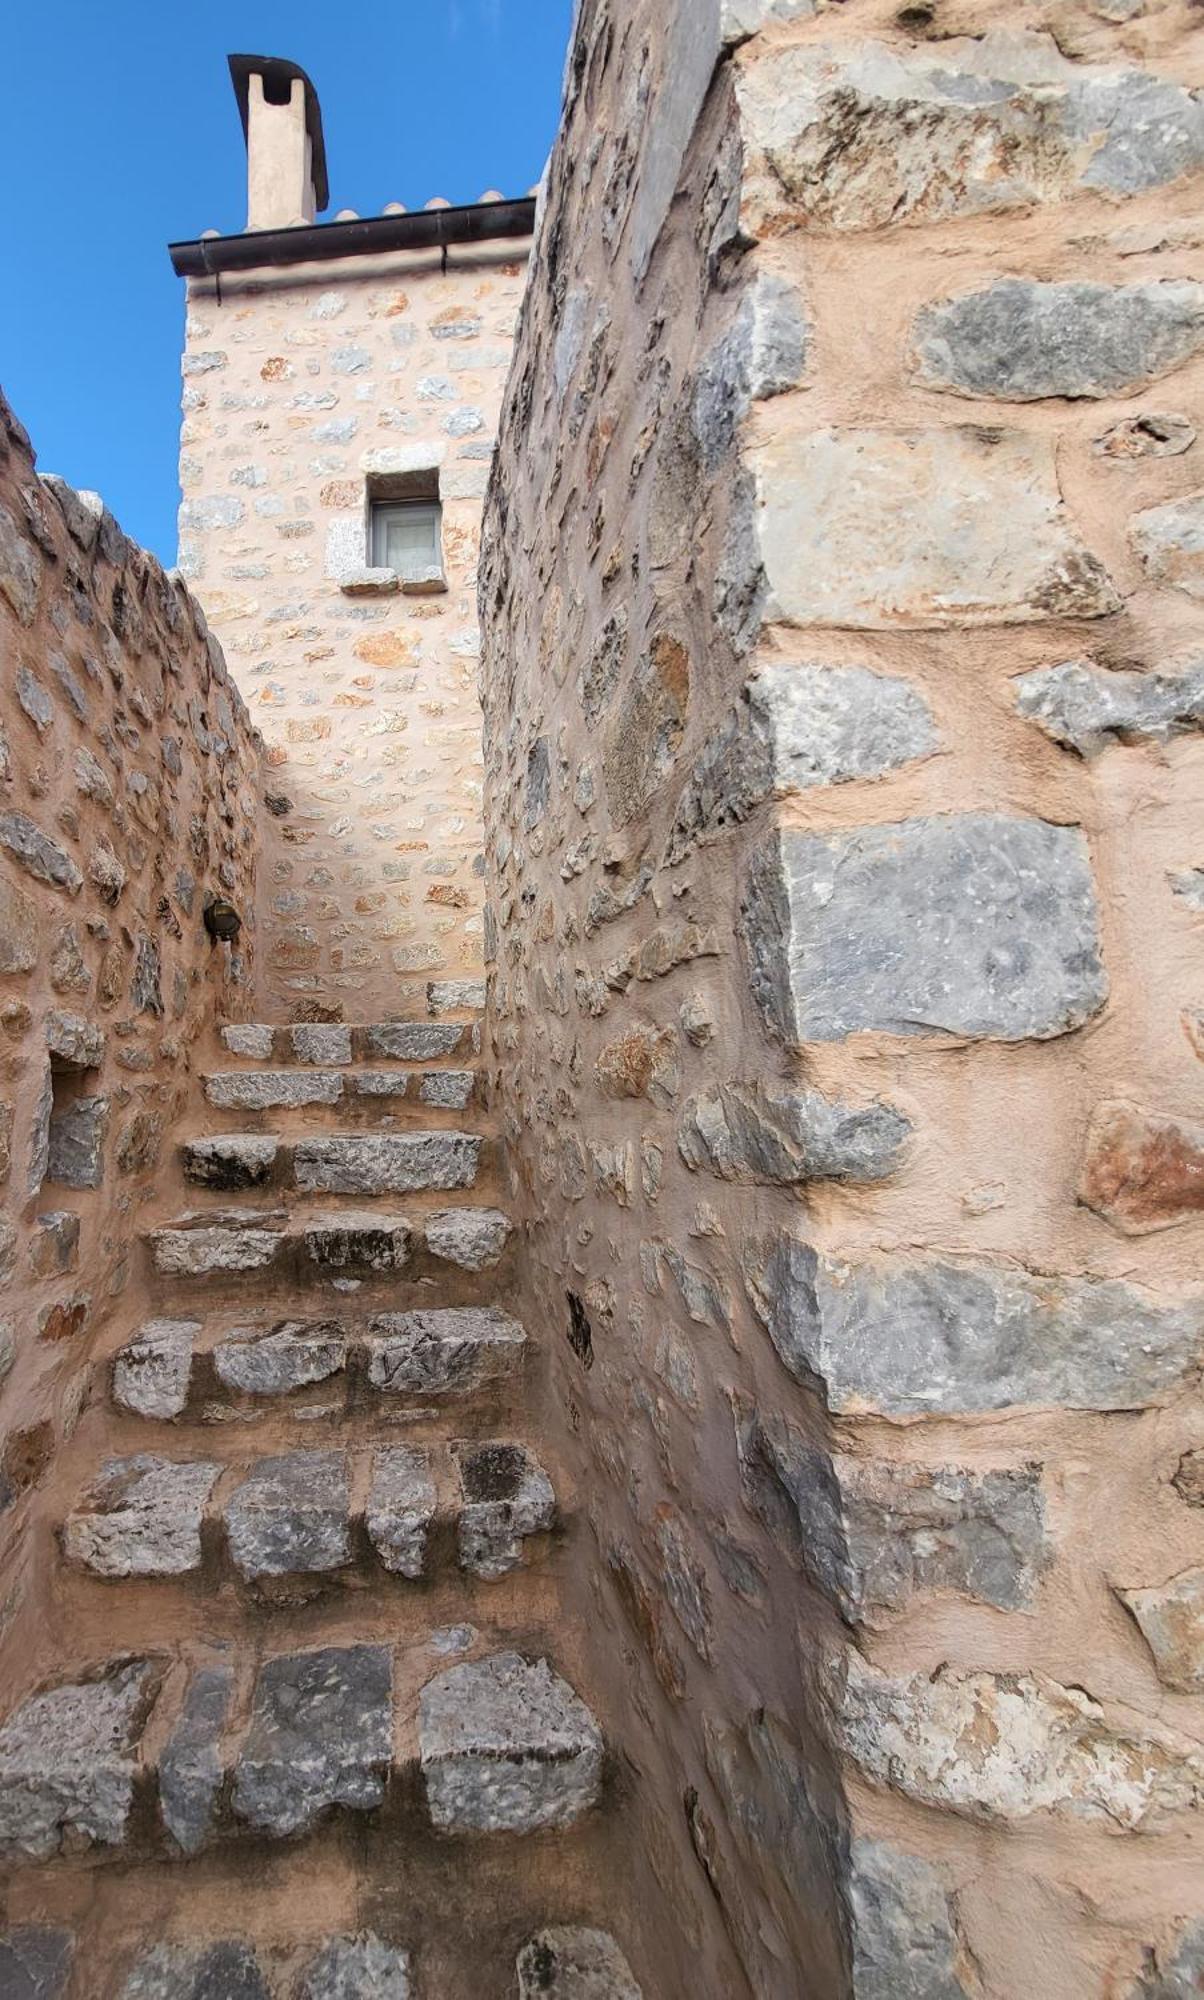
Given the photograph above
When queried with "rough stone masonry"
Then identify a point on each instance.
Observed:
(842, 685)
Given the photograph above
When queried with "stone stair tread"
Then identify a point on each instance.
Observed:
(447, 1088)
(355, 1241)
(296, 1513)
(124, 1753)
(384, 1161)
(560, 1962)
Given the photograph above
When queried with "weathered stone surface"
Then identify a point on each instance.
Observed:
(642, 1062)
(453, 996)
(1152, 434)
(762, 354)
(247, 1039)
(1142, 1171)
(873, 1534)
(232, 1162)
(751, 1133)
(291, 1516)
(568, 1962)
(272, 1090)
(909, 1338)
(380, 1083)
(1188, 883)
(73, 1042)
(401, 1507)
(19, 933)
(451, 1350)
(77, 1135)
(507, 1496)
(363, 1242)
(1188, 1480)
(1174, 1971)
(67, 1760)
(1021, 340)
(321, 1735)
(321, 1042)
(1171, 1617)
(414, 1041)
(152, 1372)
(1170, 543)
(21, 568)
(386, 1163)
(142, 1517)
(966, 924)
(473, 1238)
(275, 1361)
(1088, 708)
(506, 1746)
(868, 528)
(37, 853)
(450, 1089)
(55, 1246)
(1001, 1747)
(860, 135)
(35, 1962)
(358, 1968)
(190, 1766)
(228, 1970)
(207, 1251)
(905, 1940)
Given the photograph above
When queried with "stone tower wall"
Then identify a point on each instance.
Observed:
(299, 387)
(842, 692)
(129, 796)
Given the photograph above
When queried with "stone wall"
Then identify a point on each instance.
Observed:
(300, 388)
(129, 776)
(843, 692)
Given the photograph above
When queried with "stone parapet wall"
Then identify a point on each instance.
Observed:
(301, 388)
(129, 793)
(842, 689)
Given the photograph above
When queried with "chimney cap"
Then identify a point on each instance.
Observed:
(278, 75)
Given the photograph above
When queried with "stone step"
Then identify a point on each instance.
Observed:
(562, 1962)
(358, 1090)
(376, 1163)
(347, 1245)
(173, 1368)
(165, 1756)
(328, 1047)
(318, 1514)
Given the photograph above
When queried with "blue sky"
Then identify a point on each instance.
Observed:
(120, 133)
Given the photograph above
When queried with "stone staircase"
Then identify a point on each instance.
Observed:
(323, 1734)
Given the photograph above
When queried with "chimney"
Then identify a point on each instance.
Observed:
(286, 155)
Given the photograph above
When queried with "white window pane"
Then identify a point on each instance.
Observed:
(406, 538)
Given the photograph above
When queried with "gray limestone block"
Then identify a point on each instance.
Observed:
(867, 529)
(271, 1090)
(151, 1374)
(745, 1132)
(905, 1940)
(320, 1042)
(413, 1041)
(863, 135)
(401, 1507)
(321, 1735)
(232, 1162)
(358, 1243)
(450, 1089)
(473, 1238)
(190, 1764)
(358, 1968)
(38, 854)
(248, 1039)
(224, 1247)
(1170, 1617)
(973, 924)
(1020, 339)
(227, 1970)
(380, 1083)
(506, 1746)
(762, 353)
(910, 1339)
(453, 996)
(273, 1361)
(74, 1042)
(35, 1962)
(1088, 708)
(386, 1163)
(568, 1962)
(449, 1350)
(507, 1496)
(67, 1762)
(1169, 541)
(1174, 1971)
(142, 1517)
(291, 1516)
(77, 1135)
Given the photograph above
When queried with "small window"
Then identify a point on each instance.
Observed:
(406, 538)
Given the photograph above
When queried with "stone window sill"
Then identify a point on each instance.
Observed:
(386, 583)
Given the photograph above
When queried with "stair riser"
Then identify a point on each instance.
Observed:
(237, 1163)
(414, 1041)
